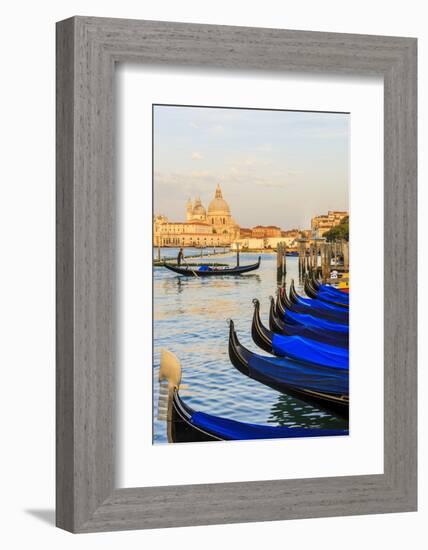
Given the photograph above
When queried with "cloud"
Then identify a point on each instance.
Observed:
(196, 156)
(217, 130)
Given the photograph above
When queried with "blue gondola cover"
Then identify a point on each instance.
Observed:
(340, 339)
(309, 351)
(291, 373)
(319, 304)
(305, 319)
(336, 296)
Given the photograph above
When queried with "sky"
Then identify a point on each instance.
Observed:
(274, 167)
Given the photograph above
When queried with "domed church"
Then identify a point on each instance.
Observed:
(214, 227)
(218, 216)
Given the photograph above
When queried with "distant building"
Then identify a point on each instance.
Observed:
(249, 243)
(214, 227)
(268, 238)
(263, 232)
(291, 233)
(321, 224)
(245, 232)
(252, 243)
(305, 234)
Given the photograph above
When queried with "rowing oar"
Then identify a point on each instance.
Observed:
(188, 266)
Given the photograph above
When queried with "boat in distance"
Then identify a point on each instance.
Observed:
(206, 271)
(322, 387)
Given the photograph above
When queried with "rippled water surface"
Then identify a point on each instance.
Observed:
(190, 319)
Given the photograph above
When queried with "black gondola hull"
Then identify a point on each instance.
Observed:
(181, 430)
(234, 271)
(239, 356)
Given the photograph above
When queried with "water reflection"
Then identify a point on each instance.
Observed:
(179, 283)
(290, 411)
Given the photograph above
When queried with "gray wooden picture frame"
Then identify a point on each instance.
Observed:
(87, 51)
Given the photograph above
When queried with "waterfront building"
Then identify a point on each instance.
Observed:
(291, 234)
(212, 227)
(245, 232)
(321, 224)
(253, 243)
(264, 232)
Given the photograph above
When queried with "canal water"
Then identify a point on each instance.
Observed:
(190, 319)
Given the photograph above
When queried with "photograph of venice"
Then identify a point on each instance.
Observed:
(250, 274)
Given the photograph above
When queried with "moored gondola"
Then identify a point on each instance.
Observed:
(187, 425)
(296, 347)
(279, 326)
(309, 290)
(323, 387)
(206, 271)
(318, 307)
(305, 319)
(324, 303)
(326, 294)
(284, 307)
(284, 304)
(316, 282)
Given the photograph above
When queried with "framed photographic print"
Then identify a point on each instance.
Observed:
(236, 274)
(269, 165)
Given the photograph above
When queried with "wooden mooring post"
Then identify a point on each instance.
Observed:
(303, 260)
(318, 244)
(237, 254)
(284, 261)
(325, 261)
(345, 249)
(281, 261)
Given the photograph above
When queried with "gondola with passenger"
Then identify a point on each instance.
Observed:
(209, 271)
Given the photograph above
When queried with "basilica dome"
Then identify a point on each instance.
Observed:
(218, 205)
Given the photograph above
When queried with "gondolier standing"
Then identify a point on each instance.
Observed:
(180, 257)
